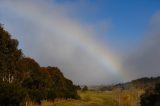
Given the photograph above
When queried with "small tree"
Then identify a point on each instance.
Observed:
(85, 88)
(77, 87)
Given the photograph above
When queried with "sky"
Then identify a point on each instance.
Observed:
(93, 42)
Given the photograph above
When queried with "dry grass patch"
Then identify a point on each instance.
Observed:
(98, 98)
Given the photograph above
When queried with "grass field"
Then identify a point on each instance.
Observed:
(98, 98)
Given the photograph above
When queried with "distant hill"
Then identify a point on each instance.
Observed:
(142, 83)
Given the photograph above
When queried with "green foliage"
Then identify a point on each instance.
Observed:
(63, 87)
(9, 56)
(151, 97)
(51, 94)
(36, 95)
(12, 94)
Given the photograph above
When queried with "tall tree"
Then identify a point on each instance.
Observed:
(9, 56)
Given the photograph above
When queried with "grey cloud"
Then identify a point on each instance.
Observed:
(145, 61)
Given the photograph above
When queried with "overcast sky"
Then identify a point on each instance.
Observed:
(92, 41)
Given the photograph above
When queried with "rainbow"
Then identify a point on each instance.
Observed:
(76, 33)
(101, 53)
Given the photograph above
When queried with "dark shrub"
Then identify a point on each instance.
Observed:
(151, 97)
(11, 94)
(85, 88)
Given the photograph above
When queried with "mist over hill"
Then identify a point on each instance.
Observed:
(141, 83)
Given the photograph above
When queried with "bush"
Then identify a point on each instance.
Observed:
(85, 88)
(11, 94)
(151, 97)
(36, 95)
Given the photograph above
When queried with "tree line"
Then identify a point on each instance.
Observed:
(23, 79)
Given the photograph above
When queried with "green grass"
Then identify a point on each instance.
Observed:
(97, 98)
